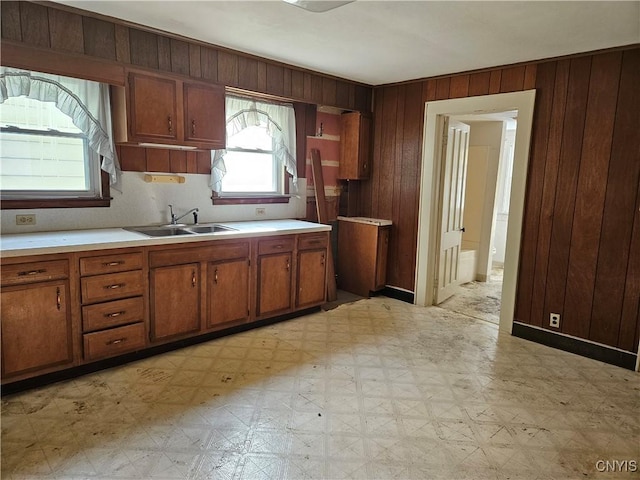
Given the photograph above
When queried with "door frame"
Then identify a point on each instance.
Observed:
(430, 193)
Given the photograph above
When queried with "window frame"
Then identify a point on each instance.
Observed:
(57, 63)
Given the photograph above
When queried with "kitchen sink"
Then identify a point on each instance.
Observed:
(208, 229)
(173, 230)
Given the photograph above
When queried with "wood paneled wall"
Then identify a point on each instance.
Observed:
(580, 252)
(69, 30)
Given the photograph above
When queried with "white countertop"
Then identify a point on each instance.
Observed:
(40, 243)
(371, 221)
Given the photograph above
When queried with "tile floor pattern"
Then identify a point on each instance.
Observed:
(376, 389)
(479, 299)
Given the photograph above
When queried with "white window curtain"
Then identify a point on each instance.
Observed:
(86, 102)
(278, 120)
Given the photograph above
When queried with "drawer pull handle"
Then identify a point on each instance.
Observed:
(170, 124)
(193, 128)
(322, 261)
(193, 278)
(279, 246)
(58, 299)
(115, 314)
(288, 265)
(117, 341)
(215, 277)
(32, 272)
(114, 286)
(113, 264)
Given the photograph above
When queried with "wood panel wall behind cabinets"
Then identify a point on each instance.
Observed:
(580, 251)
(70, 30)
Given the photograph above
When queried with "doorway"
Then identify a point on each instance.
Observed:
(484, 212)
(428, 222)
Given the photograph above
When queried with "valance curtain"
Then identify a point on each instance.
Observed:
(278, 120)
(86, 102)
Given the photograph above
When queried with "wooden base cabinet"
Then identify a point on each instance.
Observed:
(174, 300)
(36, 328)
(311, 279)
(37, 331)
(228, 292)
(362, 254)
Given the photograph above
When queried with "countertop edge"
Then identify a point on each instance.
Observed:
(258, 229)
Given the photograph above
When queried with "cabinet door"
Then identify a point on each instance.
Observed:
(274, 284)
(228, 292)
(36, 327)
(153, 109)
(175, 300)
(204, 114)
(354, 146)
(311, 278)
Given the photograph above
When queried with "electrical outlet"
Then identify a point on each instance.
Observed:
(261, 212)
(554, 320)
(29, 219)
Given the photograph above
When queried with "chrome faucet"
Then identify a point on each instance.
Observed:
(175, 218)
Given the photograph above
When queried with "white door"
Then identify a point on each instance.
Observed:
(454, 171)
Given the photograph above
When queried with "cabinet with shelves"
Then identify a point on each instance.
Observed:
(166, 110)
(355, 138)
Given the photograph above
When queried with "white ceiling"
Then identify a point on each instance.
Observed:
(379, 42)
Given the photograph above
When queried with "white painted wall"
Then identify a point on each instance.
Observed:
(142, 203)
(482, 186)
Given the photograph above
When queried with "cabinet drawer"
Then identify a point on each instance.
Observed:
(276, 245)
(316, 240)
(112, 314)
(111, 286)
(113, 341)
(34, 272)
(110, 263)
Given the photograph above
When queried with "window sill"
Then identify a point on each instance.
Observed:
(15, 204)
(231, 200)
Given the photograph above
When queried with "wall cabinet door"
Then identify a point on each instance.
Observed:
(228, 292)
(355, 135)
(153, 108)
(311, 278)
(204, 114)
(36, 327)
(175, 300)
(274, 284)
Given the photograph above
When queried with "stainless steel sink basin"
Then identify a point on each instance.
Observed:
(208, 229)
(172, 230)
(161, 231)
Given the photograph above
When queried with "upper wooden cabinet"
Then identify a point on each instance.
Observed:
(169, 111)
(355, 135)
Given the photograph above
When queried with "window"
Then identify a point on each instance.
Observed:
(56, 148)
(261, 146)
(43, 153)
(251, 165)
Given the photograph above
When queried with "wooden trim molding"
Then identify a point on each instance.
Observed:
(33, 203)
(18, 55)
(227, 200)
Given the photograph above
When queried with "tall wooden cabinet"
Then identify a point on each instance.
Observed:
(355, 139)
(36, 317)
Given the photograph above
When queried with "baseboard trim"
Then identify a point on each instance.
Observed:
(584, 348)
(397, 293)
